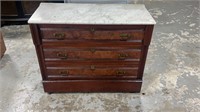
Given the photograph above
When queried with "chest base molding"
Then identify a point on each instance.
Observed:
(92, 86)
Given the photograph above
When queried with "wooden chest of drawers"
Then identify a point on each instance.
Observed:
(91, 57)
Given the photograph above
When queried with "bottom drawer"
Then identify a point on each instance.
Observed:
(91, 72)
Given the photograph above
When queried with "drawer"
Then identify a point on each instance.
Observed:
(91, 34)
(79, 43)
(91, 69)
(95, 63)
(90, 72)
(92, 53)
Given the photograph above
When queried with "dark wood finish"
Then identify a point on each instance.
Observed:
(87, 71)
(91, 58)
(2, 46)
(8, 8)
(97, 63)
(80, 43)
(92, 34)
(35, 34)
(148, 34)
(92, 86)
(147, 40)
(16, 12)
(29, 7)
(19, 11)
(91, 53)
(39, 51)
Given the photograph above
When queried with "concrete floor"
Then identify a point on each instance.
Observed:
(171, 76)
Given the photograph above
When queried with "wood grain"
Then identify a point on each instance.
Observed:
(92, 86)
(82, 34)
(92, 53)
(85, 58)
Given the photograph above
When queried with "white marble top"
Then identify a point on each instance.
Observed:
(70, 13)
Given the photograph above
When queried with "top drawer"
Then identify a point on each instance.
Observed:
(92, 33)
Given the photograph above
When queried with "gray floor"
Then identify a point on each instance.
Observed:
(171, 77)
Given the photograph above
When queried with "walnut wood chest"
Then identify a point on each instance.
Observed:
(91, 47)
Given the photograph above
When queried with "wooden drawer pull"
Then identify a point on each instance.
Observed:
(64, 73)
(120, 72)
(59, 36)
(62, 55)
(122, 56)
(125, 36)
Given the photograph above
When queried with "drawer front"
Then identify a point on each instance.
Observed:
(97, 53)
(95, 63)
(92, 53)
(91, 71)
(49, 44)
(92, 34)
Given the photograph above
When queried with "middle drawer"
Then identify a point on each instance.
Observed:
(92, 53)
